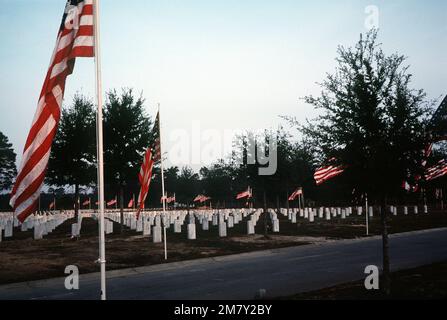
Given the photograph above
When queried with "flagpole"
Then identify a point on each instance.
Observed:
(162, 183)
(101, 260)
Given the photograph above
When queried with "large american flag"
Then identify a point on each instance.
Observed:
(144, 177)
(74, 39)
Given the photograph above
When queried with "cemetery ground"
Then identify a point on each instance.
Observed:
(427, 282)
(26, 259)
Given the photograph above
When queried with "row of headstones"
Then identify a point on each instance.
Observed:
(151, 223)
(42, 224)
(331, 212)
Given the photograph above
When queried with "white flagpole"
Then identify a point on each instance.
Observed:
(162, 184)
(102, 258)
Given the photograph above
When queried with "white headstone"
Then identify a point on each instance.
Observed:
(38, 232)
(293, 217)
(415, 209)
(215, 220)
(8, 229)
(230, 222)
(177, 226)
(250, 227)
(276, 225)
(311, 216)
(133, 224)
(405, 210)
(146, 228)
(191, 231)
(139, 225)
(156, 234)
(222, 229)
(205, 224)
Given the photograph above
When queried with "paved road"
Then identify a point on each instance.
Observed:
(280, 272)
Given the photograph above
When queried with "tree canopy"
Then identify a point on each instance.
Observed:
(8, 169)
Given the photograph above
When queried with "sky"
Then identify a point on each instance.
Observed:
(213, 65)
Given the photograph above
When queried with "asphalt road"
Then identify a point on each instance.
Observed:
(280, 272)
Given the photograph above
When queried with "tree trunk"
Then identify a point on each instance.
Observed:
(76, 200)
(265, 215)
(385, 248)
(121, 208)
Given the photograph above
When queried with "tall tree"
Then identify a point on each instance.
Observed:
(372, 122)
(73, 154)
(127, 134)
(8, 168)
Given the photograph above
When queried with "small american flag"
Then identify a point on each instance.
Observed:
(295, 194)
(74, 39)
(111, 202)
(244, 194)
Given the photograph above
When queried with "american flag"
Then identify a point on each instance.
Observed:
(86, 202)
(111, 202)
(201, 198)
(52, 204)
(295, 194)
(198, 198)
(325, 173)
(74, 39)
(244, 194)
(130, 204)
(437, 171)
(144, 177)
(171, 199)
(168, 199)
(156, 150)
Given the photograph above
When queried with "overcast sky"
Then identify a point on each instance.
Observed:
(226, 64)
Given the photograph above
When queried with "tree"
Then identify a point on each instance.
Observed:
(8, 169)
(127, 134)
(73, 154)
(372, 122)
